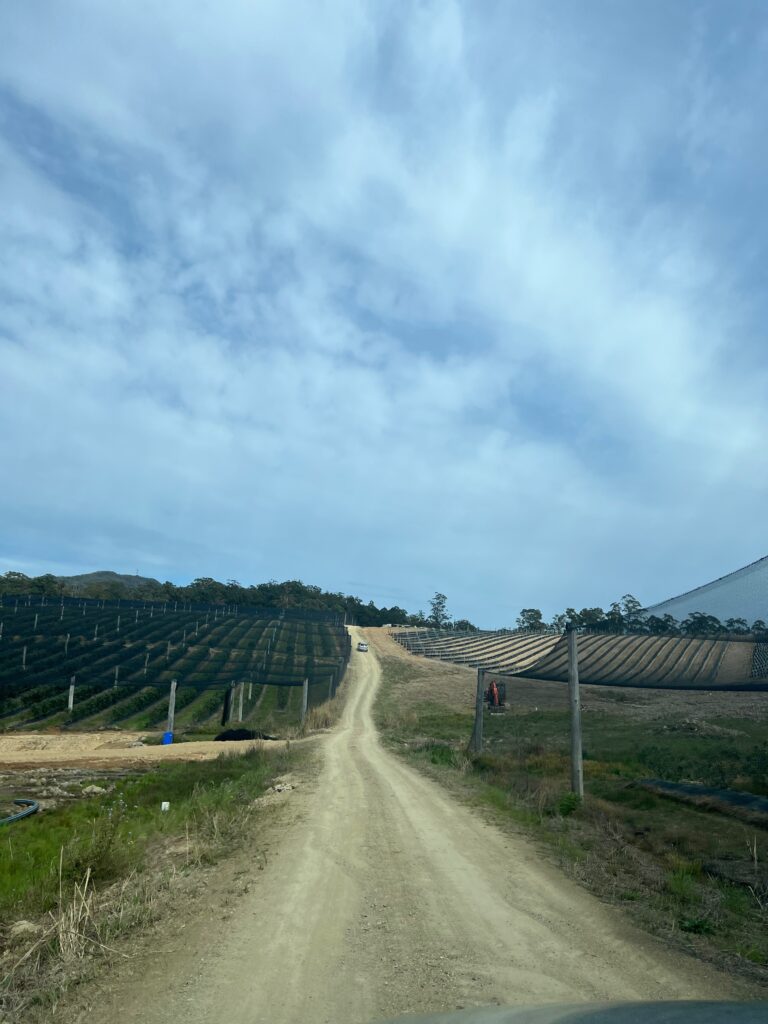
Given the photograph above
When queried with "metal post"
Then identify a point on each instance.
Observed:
(118, 623)
(304, 699)
(71, 698)
(24, 659)
(66, 646)
(250, 690)
(34, 628)
(574, 698)
(240, 703)
(172, 706)
(146, 662)
(476, 743)
(117, 673)
(96, 631)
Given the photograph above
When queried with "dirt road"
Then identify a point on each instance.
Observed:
(387, 897)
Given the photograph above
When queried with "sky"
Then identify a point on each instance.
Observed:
(390, 298)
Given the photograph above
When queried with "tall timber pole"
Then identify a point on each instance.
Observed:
(476, 743)
(574, 700)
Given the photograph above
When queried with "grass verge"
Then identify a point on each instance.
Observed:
(77, 877)
(697, 879)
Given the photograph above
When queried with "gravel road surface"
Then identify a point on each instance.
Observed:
(385, 896)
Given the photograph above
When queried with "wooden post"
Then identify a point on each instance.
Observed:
(304, 699)
(227, 702)
(171, 706)
(476, 744)
(574, 697)
(240, 702)
(71, 698)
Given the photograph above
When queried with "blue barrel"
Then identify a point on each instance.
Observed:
(167, 738)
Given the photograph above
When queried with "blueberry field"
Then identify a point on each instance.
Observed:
(122, 658)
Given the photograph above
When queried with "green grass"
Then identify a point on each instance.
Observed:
(113, 835)
(687, 873)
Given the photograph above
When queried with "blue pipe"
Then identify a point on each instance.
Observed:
(30, 807)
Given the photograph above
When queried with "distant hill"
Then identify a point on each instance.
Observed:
(105, 576)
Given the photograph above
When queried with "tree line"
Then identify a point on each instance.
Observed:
(205, 590)
(627, 616)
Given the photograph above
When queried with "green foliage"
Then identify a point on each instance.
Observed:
(530, 619)
(438, 615)
(112, 835)
(568, 803)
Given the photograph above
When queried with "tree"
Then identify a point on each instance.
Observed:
(465, 626)
(660, 626)
(558, 622)
(632, 612)
(737, 625)
(531, 620)
(759, 628)
(439, 616)
(591, 616)
(701, 624)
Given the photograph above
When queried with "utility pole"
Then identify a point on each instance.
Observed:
(171, 706)
(574, 699)
(304, 699)
(476, 743)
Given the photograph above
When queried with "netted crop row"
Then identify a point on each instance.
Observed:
(123, 679)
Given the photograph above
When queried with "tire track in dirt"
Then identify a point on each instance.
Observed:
(385, 896)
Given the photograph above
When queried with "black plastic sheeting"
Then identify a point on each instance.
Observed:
(740, 803)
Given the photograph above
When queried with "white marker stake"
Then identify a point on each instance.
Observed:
(24, 659)
(34, 628)
(117, 673)
(66, 646)
(71, 698)
(240, 703)
(146, 662)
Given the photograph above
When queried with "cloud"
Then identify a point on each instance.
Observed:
(444, 303)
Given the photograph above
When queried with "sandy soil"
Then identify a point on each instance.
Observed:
(384, 896)
(105, 750)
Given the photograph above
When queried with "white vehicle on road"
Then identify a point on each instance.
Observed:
(362, 647)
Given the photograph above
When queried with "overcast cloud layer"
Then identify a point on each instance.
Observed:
(387, 297)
